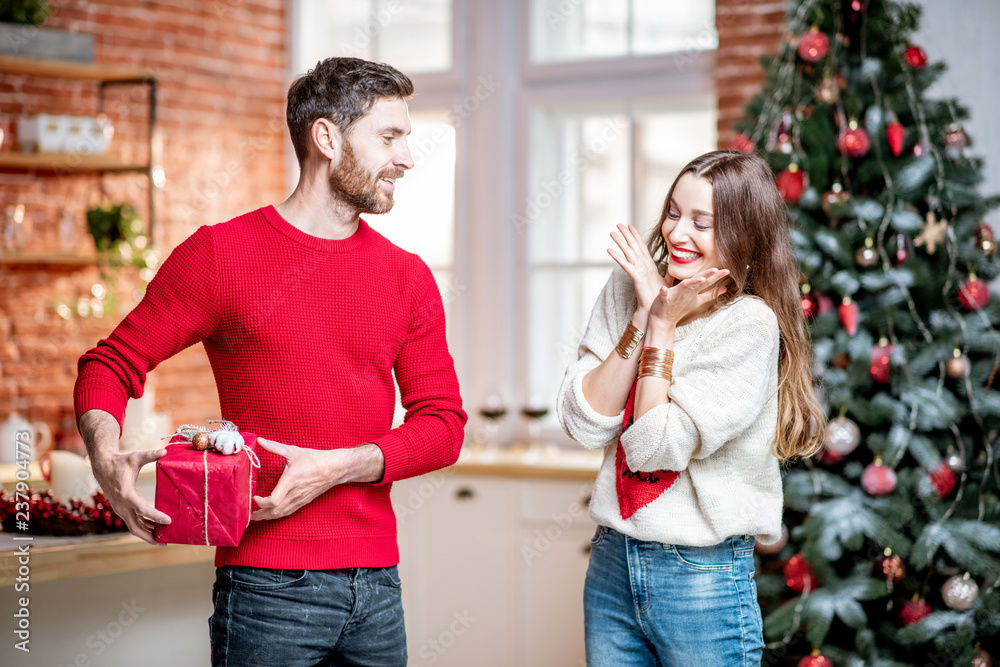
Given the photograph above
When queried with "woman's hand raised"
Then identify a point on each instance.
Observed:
(634, 258)
(673, 304)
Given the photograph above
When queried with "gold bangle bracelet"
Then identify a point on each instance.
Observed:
(656, 362)
(629, 341)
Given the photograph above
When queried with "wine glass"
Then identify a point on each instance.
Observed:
(534, 411)
(493, 411)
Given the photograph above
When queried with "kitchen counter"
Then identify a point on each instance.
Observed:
(546, 461)
(55, 558)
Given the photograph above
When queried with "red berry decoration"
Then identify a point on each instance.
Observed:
(916, 57)
(914, 610)
(880, 361)
(894, 135)
(791, 182)
(813, 45)
(853, 141)
(815, 660)
(943, 479)
(878, 479)
(798, 574)
(848, 311)
(891, 567)
(743, 144)
(974, 294)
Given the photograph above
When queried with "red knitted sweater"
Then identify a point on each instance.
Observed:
(304, 335)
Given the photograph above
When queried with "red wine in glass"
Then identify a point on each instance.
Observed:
(493, 412)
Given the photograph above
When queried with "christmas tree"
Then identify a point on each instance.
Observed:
(893, 548)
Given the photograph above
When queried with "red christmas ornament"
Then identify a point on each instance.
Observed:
(974, 294)
(914, 610)
(894, 135)
(828, 457)
(853, 141)
(879, 368)
(809, 305)
(982, 659)
(901, 248)
(916, 57)
(878, 479)
(825, 303)
(798, 574)
(815, 660)
(791, 182)
(743, 144)
(943, 479)
(813, 45)
(848, 311)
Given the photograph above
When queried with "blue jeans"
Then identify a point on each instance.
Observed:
(295, 618)
(647, 603)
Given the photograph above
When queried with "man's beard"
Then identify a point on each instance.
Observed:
(358, 187)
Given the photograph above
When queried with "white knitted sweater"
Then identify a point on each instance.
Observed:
(716, 431)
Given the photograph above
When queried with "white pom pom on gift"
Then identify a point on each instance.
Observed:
(226, 442)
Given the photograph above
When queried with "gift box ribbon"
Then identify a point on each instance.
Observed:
(254, 463)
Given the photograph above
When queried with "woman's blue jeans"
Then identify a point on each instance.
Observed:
(648, 603)
(300, 618)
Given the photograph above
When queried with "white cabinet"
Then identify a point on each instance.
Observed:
(493, 569)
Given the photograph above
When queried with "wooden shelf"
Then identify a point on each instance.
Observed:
(91, 556)
(65, 69)
(46, 259)
(68, 162)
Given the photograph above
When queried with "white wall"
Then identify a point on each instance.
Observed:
(963, 33)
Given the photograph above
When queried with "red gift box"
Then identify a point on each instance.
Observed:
(207, 495)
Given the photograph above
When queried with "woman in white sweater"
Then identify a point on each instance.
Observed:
(694, 377)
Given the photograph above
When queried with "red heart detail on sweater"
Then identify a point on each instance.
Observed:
(637, 489)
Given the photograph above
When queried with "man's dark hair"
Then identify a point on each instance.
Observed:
(342, 90)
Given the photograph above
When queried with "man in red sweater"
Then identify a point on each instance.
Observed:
(306, 314)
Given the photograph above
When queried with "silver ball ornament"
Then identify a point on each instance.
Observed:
(842, 436)
(960, 592)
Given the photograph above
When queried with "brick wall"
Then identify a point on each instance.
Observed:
(221, 72)
(748, 29)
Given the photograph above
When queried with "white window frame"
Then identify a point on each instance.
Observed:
(491, 45)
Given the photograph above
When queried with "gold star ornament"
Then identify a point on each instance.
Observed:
(932, 234)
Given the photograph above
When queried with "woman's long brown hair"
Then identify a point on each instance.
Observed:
(751, 240)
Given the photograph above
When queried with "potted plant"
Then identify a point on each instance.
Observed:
(25, 12)
(118, 235)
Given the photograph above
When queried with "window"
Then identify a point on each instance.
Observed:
(414, 35)
(528, 152)
(563, 30)
(592, 171)
(422, 220)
